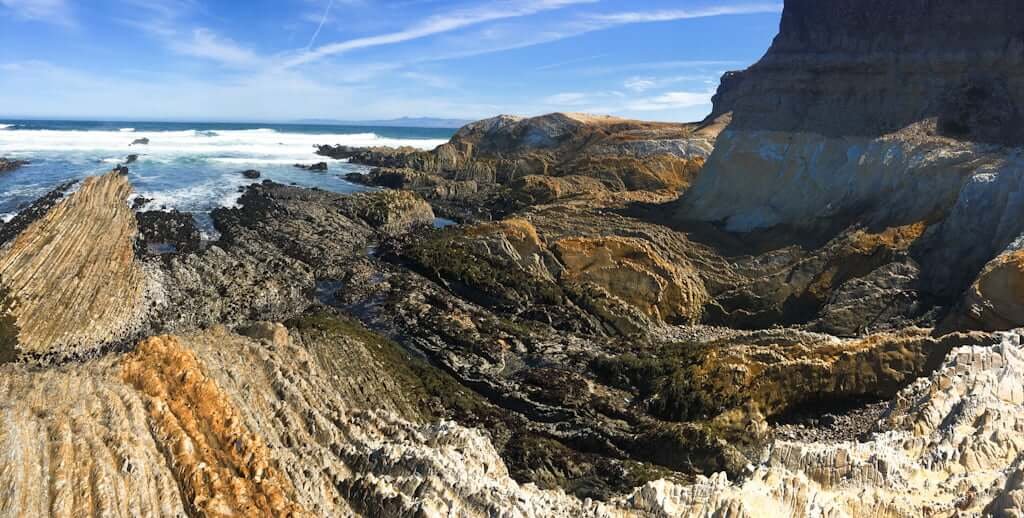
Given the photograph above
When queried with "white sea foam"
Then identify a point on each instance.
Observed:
(256, 144)
(126, 130)
(6, 126)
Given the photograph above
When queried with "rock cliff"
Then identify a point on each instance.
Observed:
(811, 328)
(876, 115)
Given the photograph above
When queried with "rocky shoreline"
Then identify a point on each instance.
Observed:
(742, 317)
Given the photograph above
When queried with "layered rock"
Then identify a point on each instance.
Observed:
(508, 162)
(71, 277)
(950, 446)
(876, 115)
(616, 284)
(996, 298)
(843, 68)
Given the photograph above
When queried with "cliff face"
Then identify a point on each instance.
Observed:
(866, 68)
(877, 114)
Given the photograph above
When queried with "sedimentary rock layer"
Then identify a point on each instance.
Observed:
(866, 68)
(71, 276)
(498, 165)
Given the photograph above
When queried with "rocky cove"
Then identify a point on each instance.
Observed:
(806, 305)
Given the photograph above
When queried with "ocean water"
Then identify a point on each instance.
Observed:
(191, 167)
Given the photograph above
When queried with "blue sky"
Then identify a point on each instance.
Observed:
(273, 60)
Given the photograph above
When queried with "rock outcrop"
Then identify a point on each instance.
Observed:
(949, 446)
(505, 163)
(614, 284)
(996, 299)
(7, 164)
(842, 68)
(71, 278)
(876, 115)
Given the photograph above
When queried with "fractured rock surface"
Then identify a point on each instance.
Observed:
(72, 277)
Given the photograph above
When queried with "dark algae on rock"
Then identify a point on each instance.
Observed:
(803, 306)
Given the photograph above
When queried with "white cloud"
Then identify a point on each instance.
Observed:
(682, 14)
(640, 84)
(206, 44)
(671, 101)
(51, 11)
(436, 24)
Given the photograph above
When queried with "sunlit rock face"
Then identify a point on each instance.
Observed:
(949, 446)
(877, 114)
(71, 278)
(843, 68)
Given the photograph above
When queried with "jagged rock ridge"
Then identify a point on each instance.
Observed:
(71, 276)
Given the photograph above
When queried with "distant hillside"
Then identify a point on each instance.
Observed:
(404, 122)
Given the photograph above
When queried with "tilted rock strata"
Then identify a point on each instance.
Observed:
(539, 160)
(224, 469)
(507, 263)
(950, 446)
(996, 299)
(633, 271)
(926, 136)
(72, 274)
(909, 62)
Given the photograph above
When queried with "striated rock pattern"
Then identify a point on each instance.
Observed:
(223, 468)
(71, 276)
(849, 67)
(632, 270)
(876, 115)
(616, 284)
(505, 163)
(950, 446)
(996, 299)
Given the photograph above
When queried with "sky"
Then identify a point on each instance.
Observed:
(281, 60)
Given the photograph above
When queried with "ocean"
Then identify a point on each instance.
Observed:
(191, 167)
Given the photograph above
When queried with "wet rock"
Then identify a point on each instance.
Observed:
(7, 165)
(172, 228)
(319, 166)
(140, 142)
(389, 212)
(139, 202)
(251, 174)
(130, 159)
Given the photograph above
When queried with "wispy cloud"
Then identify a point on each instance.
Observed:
(654, 66)
(641, 84)
(50, 11)
(436, 24)
(206, 44)
(686, 14)
(672, 101)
